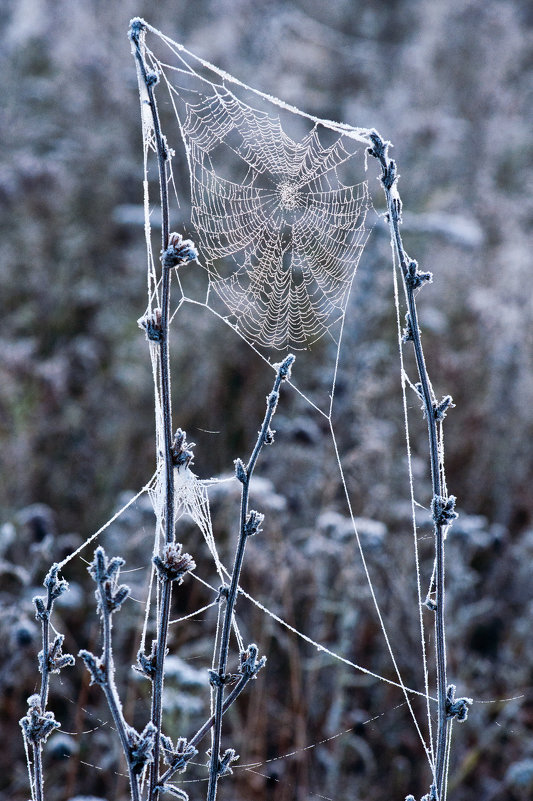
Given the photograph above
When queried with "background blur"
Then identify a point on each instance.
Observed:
(451, 85)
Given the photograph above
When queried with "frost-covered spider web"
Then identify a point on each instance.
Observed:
(292, 230)
(279, 220)
(280, 210)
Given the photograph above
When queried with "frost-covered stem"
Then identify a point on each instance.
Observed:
(111, 693)
(157, 684)
(412, 280)
(136, 31)
(38, 724)
(110, 598)
(37, 748)
(45, 676)
(150, 80)
(244, 474)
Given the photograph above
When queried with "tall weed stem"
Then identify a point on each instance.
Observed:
(102, 670)
(442, 507)
(38, 724)
(150, 80)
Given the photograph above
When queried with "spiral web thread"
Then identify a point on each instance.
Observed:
(280, 247)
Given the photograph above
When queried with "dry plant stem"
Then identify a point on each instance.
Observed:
(38, 724)
(389, 179)
(37, 748)
(38, 771)
(111, 694)
(166, 593)
(244, 473)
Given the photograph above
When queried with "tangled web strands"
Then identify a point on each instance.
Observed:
(279, 219)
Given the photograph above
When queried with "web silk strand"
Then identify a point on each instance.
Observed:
(395, 268)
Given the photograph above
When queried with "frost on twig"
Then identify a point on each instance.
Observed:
(110, 595)
(38, 724)
(442, 505)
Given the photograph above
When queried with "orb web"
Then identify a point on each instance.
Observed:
(279, 217)
(293, 232)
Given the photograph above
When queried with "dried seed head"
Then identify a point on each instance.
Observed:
(253, 523)
(151, 324)
(173, 565)
(179, 251)
(457, 707)
(37, 725)
(182, 454)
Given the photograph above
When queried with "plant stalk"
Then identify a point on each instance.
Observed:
(37, 748)
(111, 695)
(389, 181)
(202, 731)
(166, 594)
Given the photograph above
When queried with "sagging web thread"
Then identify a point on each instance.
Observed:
(292, 234)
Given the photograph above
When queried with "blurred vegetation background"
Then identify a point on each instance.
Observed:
(450, 84)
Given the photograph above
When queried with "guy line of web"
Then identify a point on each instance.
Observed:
(250, 767)
(359, 134)
(161, 67)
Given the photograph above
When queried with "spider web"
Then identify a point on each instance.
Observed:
(279, 212)
(280, 222)
(294, 233)
(279, 230)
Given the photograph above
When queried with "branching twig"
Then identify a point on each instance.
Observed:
(443, 507)
(38, 724)
(249, 524)
(249, 668)
(138, 747)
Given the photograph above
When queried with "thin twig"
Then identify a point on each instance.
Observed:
(442, 507)
(110, 692)
(249, 523)
(110, 599)
(203, 730)
(150, 79)
(38, 724)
